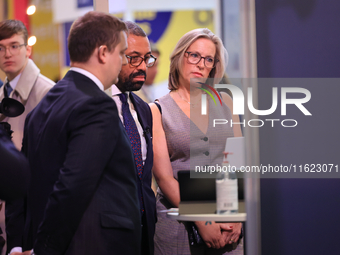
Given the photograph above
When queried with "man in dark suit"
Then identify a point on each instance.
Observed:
(131, 78)
(83, 197)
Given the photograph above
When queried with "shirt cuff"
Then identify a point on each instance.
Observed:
(16, 249)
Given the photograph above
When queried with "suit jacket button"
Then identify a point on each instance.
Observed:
(206, 153)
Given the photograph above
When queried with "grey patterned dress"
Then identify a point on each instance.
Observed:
(186, 142)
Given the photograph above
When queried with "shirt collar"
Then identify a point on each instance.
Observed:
(89, 75)
(115, 91)
(14, 82)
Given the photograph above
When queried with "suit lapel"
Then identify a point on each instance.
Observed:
(27, 80)
(140, 113)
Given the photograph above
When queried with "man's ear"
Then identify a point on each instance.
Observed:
(102, 54)
(28, 51)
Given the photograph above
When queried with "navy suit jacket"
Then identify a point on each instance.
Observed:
(83, 197)
(144, 185)
(14, 170)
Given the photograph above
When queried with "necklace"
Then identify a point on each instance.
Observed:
(183, 98)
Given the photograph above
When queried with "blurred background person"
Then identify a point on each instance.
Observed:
(23, 80)
(147, 91)
(187, 137)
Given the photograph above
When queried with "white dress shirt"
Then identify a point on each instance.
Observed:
(13, 83)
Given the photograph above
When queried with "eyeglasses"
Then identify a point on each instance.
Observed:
(137, 60)
(195, 58)
(13, 49)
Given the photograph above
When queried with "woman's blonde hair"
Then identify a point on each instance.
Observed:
(176, 57)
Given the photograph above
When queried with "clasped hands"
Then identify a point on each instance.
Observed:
(218, 235)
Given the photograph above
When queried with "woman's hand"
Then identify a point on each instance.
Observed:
(211, 234)
(226, 156)
(231, 232)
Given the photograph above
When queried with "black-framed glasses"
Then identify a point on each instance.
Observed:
(195, 58)
(137, 60)
(13, 49)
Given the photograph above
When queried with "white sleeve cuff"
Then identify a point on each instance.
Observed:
(16, 249)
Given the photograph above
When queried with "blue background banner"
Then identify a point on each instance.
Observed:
(84, 3)
(158, 25)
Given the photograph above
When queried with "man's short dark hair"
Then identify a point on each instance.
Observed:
(135, 29)
(11, 27)
(91, 31)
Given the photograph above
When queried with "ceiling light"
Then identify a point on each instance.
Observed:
(31, 10)
(32, 40)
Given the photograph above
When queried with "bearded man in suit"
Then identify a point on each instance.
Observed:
(133, 111)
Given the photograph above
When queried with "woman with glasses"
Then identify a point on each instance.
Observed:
(184, 137)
